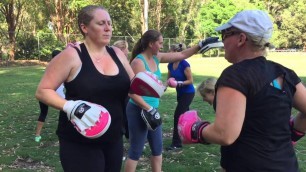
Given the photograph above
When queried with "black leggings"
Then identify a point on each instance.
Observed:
(183, 103)
(43, 112)
(81, 157)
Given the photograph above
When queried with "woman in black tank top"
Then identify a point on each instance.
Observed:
(94, 73)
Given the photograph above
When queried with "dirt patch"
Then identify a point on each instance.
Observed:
(17, 63)
(29, 164)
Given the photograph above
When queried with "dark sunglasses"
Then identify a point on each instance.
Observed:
(227, 34)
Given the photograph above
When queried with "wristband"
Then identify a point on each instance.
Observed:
(150, 109)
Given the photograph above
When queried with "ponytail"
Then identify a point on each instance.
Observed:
(136, 50)
(143, 43)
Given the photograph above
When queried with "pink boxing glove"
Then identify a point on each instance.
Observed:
(173, 83)
(190, 128)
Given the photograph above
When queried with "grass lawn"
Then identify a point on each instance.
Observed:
(19, 111)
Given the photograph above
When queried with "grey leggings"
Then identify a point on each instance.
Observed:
(138, 133)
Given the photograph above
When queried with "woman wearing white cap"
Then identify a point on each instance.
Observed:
(253, 102)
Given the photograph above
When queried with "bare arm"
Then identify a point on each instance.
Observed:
(188, 75)
(177, 56)
(168, 75)
(230, 114)
(62, 68)
(299, 102)
(138, 66)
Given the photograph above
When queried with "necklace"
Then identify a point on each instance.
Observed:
(98, 59)
(93, 55)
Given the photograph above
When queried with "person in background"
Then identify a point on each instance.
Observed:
(97, 81)
(253, 101)
(44, 108)
(207, 90)
(123, 46)
(146, 57)
(180, 77)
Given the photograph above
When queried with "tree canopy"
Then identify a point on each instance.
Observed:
(180, 19)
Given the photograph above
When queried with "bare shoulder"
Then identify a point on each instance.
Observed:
(65, 62)
(120, 54)
(116, 49)
(137, 62)
(137, 65)
(70, 56)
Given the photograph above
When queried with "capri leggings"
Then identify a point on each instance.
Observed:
(81, 157)
(43, 112)
(139, 132)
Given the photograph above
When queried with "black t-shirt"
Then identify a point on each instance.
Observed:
(92, 86)
(264, 143)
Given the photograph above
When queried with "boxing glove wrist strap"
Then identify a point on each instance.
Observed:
(150, 109)
(180, 83)
(197, 129)
(295, 134)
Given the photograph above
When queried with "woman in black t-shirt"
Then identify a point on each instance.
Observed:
(253, 102)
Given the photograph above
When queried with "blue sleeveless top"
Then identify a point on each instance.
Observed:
(154, 102)
(179, 75)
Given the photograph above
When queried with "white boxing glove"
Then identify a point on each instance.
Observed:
(90, 120)
(210, 43)
(147, 84)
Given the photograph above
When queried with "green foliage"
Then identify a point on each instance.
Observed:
(218, 12)
(293, 25)
(26, 47)
(121, 12)
(213, 14)
(75, 5)
(47, 43)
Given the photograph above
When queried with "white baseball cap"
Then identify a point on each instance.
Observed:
(254, 22)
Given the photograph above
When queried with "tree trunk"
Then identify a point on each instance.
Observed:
(11, 9)
(12, 47)
(158, 13)
(60, 16)
(189, 17)
(144, 15)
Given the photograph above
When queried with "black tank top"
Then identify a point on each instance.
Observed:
(92, 86)
(264, 144)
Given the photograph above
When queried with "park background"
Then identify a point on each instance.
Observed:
(31, 29)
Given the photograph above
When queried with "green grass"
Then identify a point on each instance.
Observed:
(19, 111)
